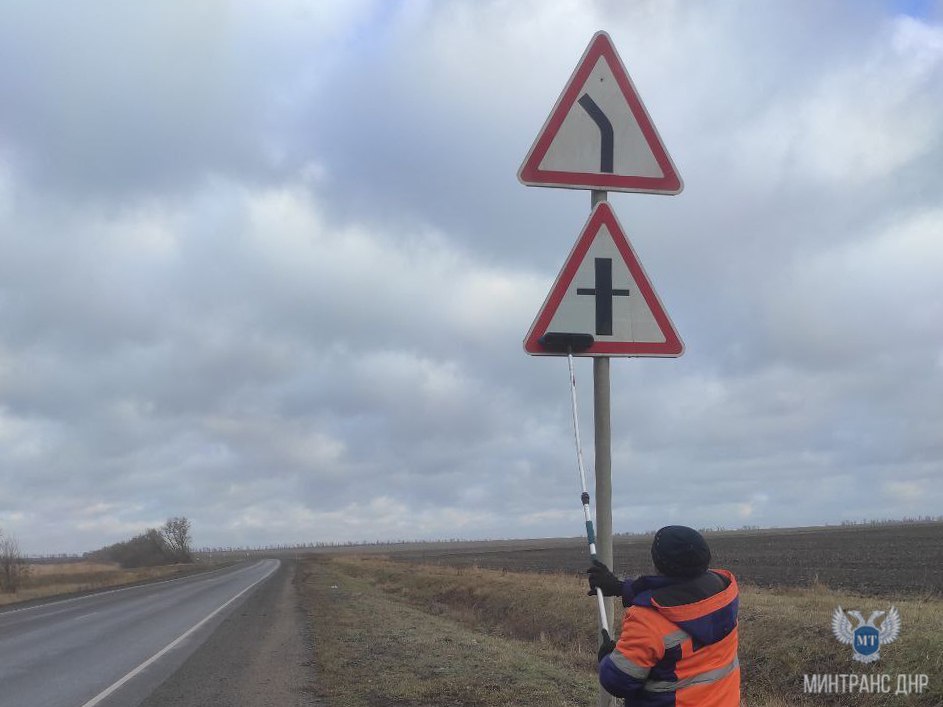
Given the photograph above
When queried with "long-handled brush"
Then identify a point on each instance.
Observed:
(570, 343)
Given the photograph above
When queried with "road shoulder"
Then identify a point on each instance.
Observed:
(260, 656)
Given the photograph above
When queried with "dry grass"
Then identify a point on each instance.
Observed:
(48, 580)
(548, 619)
(374, 649)
(786, 633)
(69, 568)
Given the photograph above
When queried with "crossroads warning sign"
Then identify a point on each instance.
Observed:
(603, 291)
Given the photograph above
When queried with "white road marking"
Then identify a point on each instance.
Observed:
(97, 699)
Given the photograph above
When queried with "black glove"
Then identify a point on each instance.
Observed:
(608, 645)
(600, 576)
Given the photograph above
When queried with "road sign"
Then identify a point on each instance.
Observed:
(603, 291)
(599, 135)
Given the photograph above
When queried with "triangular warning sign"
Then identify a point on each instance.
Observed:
(603, 291)
(599, 135)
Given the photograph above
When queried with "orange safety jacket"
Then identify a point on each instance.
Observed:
(678, 645)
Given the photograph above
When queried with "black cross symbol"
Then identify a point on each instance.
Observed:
(603, 293)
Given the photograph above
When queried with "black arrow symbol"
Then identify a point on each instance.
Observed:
(607, 138)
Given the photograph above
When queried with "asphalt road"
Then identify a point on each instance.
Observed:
(117, 647)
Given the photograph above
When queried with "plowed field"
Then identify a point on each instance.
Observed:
(880, 559)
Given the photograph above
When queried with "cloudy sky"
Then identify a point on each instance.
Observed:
(268, 266)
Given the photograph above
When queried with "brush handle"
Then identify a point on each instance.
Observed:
(603, 621)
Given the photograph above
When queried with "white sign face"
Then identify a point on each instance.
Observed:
(603, 291)
(604, 299)
(599, 135)
(578, 144)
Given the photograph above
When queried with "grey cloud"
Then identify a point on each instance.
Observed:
(109, 99)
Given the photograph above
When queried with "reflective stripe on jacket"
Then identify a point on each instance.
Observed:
(678, 645)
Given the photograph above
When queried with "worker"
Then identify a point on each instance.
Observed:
(678, 644)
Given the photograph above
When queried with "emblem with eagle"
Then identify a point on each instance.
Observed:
(866, 638)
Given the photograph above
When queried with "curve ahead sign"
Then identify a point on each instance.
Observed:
(599, 135)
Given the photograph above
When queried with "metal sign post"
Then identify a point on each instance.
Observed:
(602, 426)
(601, 422)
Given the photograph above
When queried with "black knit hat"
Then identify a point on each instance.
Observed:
(678, 551)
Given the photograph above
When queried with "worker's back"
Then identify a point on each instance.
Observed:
(678, 644)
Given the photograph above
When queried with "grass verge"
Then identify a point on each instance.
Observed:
(374, 649)
(391, 633)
